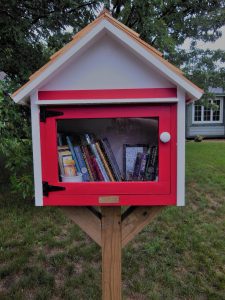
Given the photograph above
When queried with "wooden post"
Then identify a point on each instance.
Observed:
(111, 253)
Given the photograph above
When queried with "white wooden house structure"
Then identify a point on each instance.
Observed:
(108, 73)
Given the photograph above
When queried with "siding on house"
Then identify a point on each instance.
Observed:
(214, 130)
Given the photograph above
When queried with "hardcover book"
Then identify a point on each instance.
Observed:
(137, 166)
(70, 144)
(81, 163)
(111, 158)
(97, 157)
(151, 165)
(88, 164)
(104, 160)
(89, 161)
(68, 164)
(129, 158)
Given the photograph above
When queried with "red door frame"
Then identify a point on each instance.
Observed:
(130, 193)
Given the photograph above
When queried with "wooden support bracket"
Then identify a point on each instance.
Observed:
(133, 220)
(136, 220)
(112, 231)
(87, 220)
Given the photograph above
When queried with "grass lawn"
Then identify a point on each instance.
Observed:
(180, 256)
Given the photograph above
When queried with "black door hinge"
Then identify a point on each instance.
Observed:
(51, 188)
(45, 113)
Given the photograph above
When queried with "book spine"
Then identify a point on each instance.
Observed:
(87, 163)
(104, 161)
(68, 139)
(98, 159)
(146, 165)
(112, 159)
(97, 169)
(151, 166)
(108, 160)
(61, 165)
(81, 163)
(90, 162)
(137, 166)
(142, 168)
(155, 162)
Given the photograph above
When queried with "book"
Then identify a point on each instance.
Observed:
(105, 163)
(62, 151)
(81, 162)
(152, 164)
(130, 152)
(99, 162)
(111, 158)
(137, 166)
(89, 161)
(97, 169)
(70, 144)
(142, 167)
(68, 165)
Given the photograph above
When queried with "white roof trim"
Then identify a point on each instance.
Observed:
(107, 101)
(127, 40)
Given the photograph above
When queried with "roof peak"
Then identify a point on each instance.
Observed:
(104, 11)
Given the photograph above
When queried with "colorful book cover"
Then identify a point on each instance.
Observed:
(111, 158)
(70, 144)
(81, 163)
(104, 161)
(68, 164)
(62, 150)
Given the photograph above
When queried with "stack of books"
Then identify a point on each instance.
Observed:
(146, 165)
(94, 160)
(89, 157)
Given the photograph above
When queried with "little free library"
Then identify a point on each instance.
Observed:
(108, 121)
(108, 130)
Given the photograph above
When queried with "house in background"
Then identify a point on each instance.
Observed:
(2, 75)
(204, 121)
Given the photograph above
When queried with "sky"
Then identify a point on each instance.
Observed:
(218, 44)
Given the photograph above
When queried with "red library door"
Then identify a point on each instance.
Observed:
(124, 124)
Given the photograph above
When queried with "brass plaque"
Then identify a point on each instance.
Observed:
(109, 199)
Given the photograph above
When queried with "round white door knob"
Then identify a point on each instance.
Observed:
(165, 137)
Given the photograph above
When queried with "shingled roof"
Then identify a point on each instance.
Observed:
(105, 15)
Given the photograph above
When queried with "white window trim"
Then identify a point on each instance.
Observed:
(211, 114)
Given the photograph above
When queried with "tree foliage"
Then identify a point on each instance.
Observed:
(30, 31)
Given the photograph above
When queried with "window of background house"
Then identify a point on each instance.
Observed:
(208, 114)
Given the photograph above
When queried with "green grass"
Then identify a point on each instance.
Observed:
(180, 256)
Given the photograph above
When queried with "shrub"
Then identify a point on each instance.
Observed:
(198, 138)
(15, 143)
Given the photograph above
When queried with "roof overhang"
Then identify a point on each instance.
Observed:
(152, 57)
